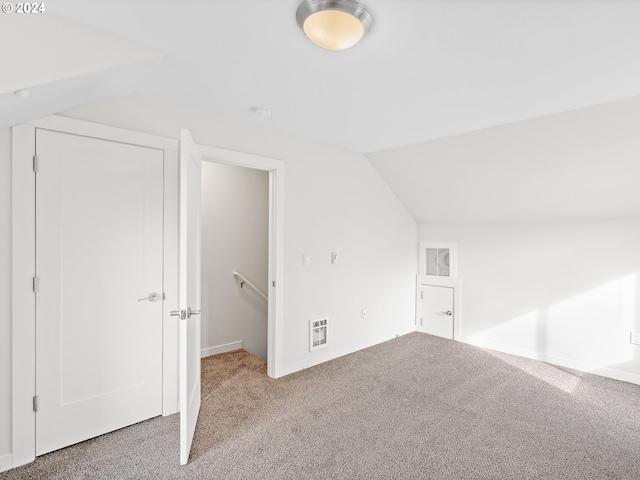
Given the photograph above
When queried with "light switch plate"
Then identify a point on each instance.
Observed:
(306, 260)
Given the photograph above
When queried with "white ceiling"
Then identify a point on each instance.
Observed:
(578, 165)
(427, 69)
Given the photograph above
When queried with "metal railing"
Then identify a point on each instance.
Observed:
(243, 280)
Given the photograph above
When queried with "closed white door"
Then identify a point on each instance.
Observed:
(437, 310)
(189, 291)
(99, 213)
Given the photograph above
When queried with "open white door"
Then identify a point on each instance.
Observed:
(189, 291)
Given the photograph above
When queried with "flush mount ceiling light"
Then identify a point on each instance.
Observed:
(333, 24)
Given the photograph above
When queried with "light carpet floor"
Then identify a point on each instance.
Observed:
(418, 407)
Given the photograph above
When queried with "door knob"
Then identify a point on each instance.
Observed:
(448, 312)
(192, 312)
(153, 297)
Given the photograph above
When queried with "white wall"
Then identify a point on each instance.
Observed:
(334, 201)
(235, 237)
(564, 292)
(5, 293)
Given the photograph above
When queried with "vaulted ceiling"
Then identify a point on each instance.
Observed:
(427, 69)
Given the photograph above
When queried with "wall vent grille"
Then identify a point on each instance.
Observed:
(317, 334)
(438, 259)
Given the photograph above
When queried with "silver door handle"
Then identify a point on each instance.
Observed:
(153, 297)
(448, 312)
(184, 314)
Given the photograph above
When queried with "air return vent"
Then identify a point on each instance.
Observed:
(317, 334)
(438, 259)
(438, 262)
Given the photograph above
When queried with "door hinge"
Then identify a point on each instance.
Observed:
(421, 295)
(35, 163)
(36, 284)
(421, 322)
(273, 283)
(35, 403)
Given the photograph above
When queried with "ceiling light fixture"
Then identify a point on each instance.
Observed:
(333, 24)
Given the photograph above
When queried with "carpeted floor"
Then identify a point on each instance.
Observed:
(415, 407)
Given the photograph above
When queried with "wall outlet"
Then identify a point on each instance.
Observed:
(635, 338)
(306, 260)
(364, 313)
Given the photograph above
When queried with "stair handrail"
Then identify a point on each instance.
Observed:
(243, 280)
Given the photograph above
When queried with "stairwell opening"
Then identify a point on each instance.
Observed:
(235, 245)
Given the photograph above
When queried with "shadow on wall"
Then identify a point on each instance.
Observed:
(590, 328)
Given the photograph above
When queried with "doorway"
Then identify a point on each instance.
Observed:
(275, 281)
(235, 250)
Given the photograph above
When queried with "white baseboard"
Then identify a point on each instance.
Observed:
(227, 347)
(6, 462)
(327, 354)
(554, 360)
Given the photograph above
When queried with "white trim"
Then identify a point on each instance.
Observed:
(23, 305)
(275, 291)
(555, 360)
(456, 284)
(453, 258)
(227, 347)
(327, 354)
(6, 462)
(239, 159)
(97, 130)
(170, 285)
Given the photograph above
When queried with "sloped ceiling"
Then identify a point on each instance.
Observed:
(427, 70)
(578, 165)
(64, 64)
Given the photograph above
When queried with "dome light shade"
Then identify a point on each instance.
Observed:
(333, 24)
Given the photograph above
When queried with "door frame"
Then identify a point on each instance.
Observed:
(431, 281)
(275, 312)
(23, 263)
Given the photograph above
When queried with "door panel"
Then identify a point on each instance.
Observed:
(437, 310)
(99, 213)
(189, 291)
